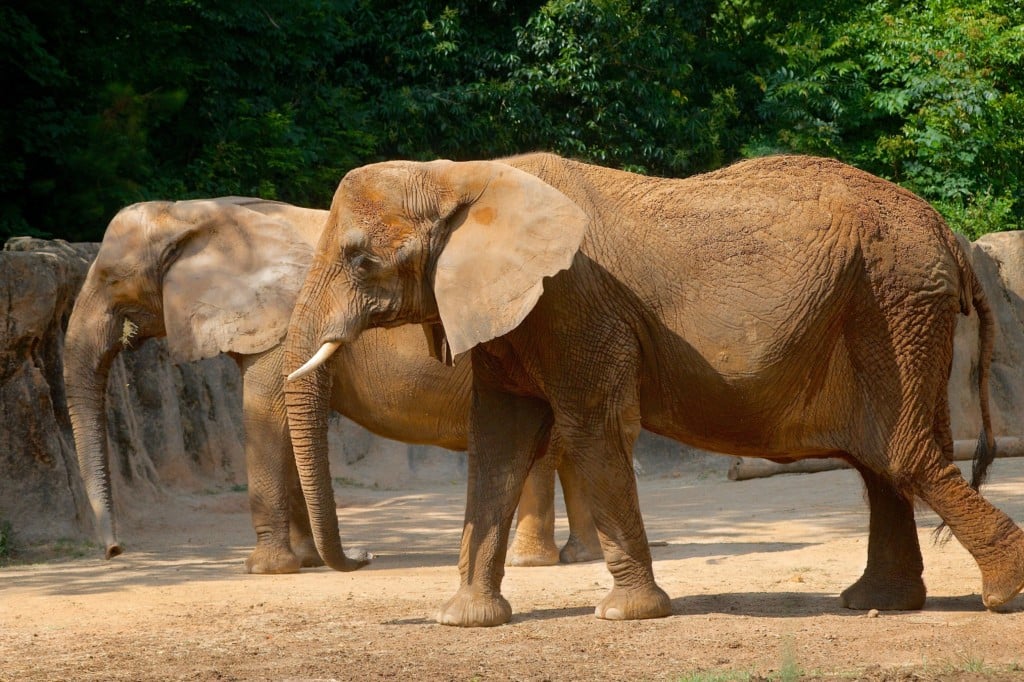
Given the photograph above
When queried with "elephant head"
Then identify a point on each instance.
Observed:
(218, 275)
(461, 248)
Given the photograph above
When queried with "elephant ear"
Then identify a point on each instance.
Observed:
(508, 231)
(233, 284)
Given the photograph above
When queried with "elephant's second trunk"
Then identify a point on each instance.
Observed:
(307, 398)
(90, 347)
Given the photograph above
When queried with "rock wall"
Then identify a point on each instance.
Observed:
(998, 260)
(169, 426)
(180, 427)
(38, 474)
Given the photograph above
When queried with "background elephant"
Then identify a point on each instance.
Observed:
(784, 307)
(221, 276)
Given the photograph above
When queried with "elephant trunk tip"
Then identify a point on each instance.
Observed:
(113, 550)
(352, 561)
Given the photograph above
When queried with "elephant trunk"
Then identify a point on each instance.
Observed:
(91, 344)
(307, 398)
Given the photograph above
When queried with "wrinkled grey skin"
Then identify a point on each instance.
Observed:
(222, 275)
(786, 307)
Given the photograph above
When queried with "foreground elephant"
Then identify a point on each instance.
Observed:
(221, 276)
(784, 307)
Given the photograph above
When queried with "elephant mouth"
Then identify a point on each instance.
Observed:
(319, 358)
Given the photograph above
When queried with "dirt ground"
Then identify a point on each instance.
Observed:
(753, 568)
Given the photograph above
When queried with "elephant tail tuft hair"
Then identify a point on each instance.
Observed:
(972, 297)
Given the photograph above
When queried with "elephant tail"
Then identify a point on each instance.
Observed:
(986, 449)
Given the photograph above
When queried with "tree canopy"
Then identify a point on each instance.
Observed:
(108, 103)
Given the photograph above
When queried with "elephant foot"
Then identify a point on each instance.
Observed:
(634, 604)
(472, 609)
(1003, 580)
(305, 550)
(884, 594)
(272, 560)
(531, 552)
(577, 551)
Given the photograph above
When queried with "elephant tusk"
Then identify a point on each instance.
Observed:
(326, 351)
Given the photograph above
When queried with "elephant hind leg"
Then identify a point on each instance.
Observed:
(918, 442)
(923, 465)
(534, 540)
(892, 578)
(583, 543)
(269, 506)
(992, 538)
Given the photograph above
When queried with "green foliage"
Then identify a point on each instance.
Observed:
(6, 541)
(172, 99)
(981, 213)
(121, 102)
(948, 73)
(927, 93)
(612, 82)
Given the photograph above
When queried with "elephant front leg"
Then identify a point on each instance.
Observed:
(506, 433)
(892, 579)
(269, 506)
(269, 465)
(534, 541)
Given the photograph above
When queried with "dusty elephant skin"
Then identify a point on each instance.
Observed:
(785, 307)
(221, 276)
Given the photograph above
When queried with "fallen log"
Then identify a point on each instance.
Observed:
(745, 468)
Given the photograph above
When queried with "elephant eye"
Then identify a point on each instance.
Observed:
(363, 262)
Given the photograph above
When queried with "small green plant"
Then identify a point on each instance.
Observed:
(69, 548)
(6, 541)
(239, 488)
(971, 663)
(789, 667)
(60, 549)
(713, 676)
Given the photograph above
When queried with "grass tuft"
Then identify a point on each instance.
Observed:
(712, 676)
(971, 663)
(789, 667)
(6, 541)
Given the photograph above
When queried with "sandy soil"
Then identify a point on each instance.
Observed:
(754, 570)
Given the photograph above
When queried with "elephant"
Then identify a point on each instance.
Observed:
(784, 307)
(221, 276)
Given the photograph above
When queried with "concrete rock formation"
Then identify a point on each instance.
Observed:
(998, 260)
(167, 425)
(180, 427)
